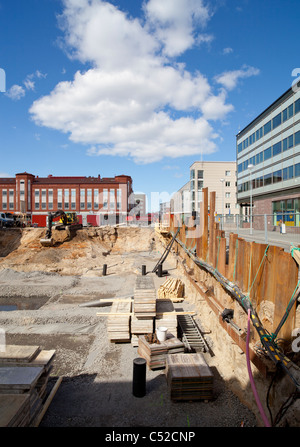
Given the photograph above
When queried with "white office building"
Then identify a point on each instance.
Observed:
(218, 176)
(268, 162)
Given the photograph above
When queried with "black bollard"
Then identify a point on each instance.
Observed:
(160, 271)
(104, 269)
(143, 270)
(139, 377)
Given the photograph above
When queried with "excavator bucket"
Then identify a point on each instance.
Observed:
(47, 242)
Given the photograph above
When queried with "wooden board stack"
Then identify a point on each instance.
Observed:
(24, 374)
(144, 308)
(189, 377)
(118, 324)
(156, 353)
(166, 316)
(140, 327)
(144, 301)
(171, 288)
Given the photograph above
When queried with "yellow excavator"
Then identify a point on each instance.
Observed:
(68, 221)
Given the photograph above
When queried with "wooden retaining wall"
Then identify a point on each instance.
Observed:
(262, 272)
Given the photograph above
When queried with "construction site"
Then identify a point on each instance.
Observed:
(130, 326)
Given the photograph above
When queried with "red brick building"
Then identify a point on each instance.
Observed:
(96, 200)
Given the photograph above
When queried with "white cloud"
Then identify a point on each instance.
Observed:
(175, 22)
(230, 79)
(5, 175)
(16, 92)
(227, 50)
(134, 101)
(29, 84)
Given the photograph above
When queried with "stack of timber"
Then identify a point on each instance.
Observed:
(171, 288)
(144, 301)
(189, 377)
(155, 352)
(140, 327)
(144, 308)
(24, 374)
(166, 316)
(118, 322)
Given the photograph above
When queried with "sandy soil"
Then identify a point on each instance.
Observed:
(49, 286)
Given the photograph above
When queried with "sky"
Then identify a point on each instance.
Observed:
(138, 87)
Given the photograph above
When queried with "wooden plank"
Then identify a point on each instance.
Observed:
(232, 252)
(240, 263)
(259, 269)
(19, 379)
(43, 359)
(286, 281)
(212, 208)
(246, 266)
(12, 409)
(16, 353)
(222, 255)
(107, 314)
(204, 219)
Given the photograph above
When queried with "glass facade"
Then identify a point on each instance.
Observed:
(280, 118)
(287, 211)
(271, 144)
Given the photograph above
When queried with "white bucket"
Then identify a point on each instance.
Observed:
(161, 333)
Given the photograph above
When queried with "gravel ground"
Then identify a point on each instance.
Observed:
(96, 390)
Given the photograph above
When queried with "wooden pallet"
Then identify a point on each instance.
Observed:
(144, 300)
(156, 353)
(118, 322)
(188, 377)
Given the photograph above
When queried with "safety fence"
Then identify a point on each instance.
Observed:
(267, 228)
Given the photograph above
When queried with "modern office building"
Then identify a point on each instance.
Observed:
(268, 163)
(96, 200)
(219, 176)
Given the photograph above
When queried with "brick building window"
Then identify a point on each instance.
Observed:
(44, 199)
(89, 199)
(96, 199)
(36, 199)
(50, 199)
(112, 203)
(66, 199)
(119, 199)
(73, 199)
(105, 199)
(82, 199)
(11, 199)
(59, 199)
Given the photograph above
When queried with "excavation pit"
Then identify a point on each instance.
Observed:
(48, 287)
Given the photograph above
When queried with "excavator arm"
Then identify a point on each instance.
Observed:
(47, 241)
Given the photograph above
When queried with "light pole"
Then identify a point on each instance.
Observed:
(222, 181)
(250, 167)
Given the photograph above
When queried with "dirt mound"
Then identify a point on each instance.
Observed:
(83, 252)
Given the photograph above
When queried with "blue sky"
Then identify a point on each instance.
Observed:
(142, 88)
